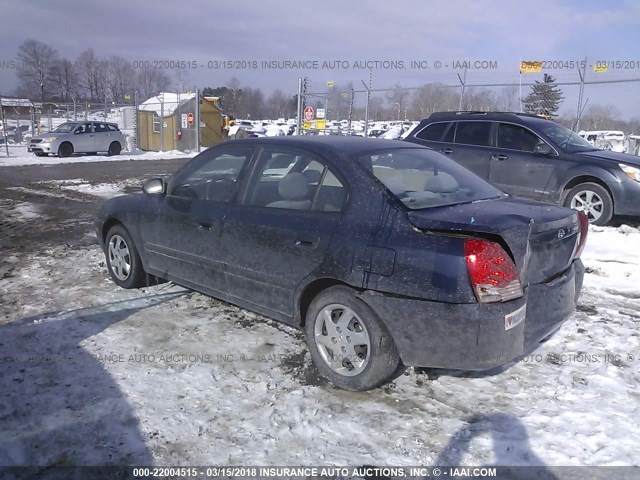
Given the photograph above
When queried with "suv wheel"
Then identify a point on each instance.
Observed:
(348, 342)
(592, 199)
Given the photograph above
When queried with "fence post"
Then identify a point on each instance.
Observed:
(581, 107)
(197, 119)
(463, 82)
(4, 127)
(136, 133)
(161, 98)
(299, 120)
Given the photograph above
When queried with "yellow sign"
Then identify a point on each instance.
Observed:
(329, 84)
(127, 97)
(600, 67)
(315, 125)
(530, 67)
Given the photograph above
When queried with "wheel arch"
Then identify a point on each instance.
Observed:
(586, 179)
(309, 292)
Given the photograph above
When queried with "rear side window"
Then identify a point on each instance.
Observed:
(295, 180)
(100, 127)
(474, 133)
(433, 132)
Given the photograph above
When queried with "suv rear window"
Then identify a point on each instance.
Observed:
(433, 132)
(422, 178)
(473, 133)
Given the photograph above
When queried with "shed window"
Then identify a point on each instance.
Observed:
(156, 123)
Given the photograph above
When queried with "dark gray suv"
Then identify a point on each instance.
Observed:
(528, 156)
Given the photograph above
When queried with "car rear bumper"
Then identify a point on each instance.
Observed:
(477, 336)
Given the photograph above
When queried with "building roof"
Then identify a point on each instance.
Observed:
(166, 102)
(15, 102)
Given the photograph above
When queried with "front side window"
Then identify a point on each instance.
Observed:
(473, 133)
(213, 175)
(567, 140)
(156, 123)
(295, 180)
(422, 178)
(515, 137)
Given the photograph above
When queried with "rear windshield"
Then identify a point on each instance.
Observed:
(422, 178)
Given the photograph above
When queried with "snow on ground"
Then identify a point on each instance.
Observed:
(18, 155)
(97, 375)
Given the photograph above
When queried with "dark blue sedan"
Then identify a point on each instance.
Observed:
(386, 253)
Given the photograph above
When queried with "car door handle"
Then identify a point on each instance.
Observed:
(499, 157)
(203, 226)
(447, 151)
(307, 243)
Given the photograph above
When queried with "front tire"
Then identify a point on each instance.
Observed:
(114, 149)
(123, 261)
(592, 199)
(348, 342)
(65, 150)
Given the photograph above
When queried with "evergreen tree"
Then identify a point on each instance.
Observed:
(545, 97)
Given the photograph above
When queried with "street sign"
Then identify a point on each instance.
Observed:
(190, 119)
(184, 120)
(320, 113)
(308, 114)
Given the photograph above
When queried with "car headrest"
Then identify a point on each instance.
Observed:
(442, 183)
(293, 186)
(313, 176)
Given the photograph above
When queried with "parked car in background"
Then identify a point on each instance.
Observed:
(529, 156)
(386, 253)
(79, 137)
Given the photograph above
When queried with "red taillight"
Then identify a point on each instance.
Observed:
(493, 275)
(583, 223)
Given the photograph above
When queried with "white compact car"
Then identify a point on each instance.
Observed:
(79, 137)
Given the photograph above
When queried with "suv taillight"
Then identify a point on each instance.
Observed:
(583, 222)
(493, 275)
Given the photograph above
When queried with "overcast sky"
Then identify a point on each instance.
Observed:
(504, 31)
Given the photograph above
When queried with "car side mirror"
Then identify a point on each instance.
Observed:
(155, 186)
(543, 149)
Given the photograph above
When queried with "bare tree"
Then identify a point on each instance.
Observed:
(91, 74)
(65, 78)
(398, 99)
(479, 99)
(508, 99)
(277, 105)
(151, 82)
(601, 117)
(434, 97)
(37, 62)
(119, 78)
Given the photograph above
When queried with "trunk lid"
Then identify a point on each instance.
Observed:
(542, 238)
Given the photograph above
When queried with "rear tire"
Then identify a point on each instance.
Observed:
(123, 261)
(348, 342)
(114, 149)
(40, 154)
(592, 199)
(65, 150)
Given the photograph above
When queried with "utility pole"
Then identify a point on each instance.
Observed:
(581, 107)
(299, 115)
(463, 81)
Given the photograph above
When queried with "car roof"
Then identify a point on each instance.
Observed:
(345, 144)
(477, 115)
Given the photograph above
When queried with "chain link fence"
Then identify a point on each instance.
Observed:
(594, 104)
